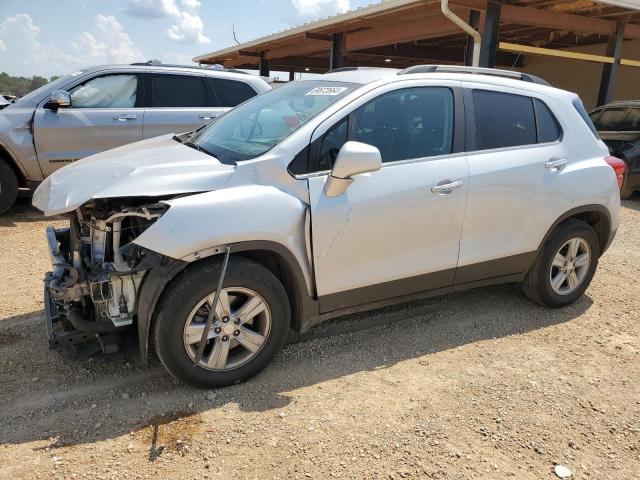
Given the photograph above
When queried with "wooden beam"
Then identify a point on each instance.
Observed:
(247, 53)
(419, 52)
(303, 47)
(401, 33)
(565, 22)
(318, 36)
(513, 47)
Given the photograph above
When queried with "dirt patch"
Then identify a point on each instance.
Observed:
(8, 339)
(481, 384)
(170, 432)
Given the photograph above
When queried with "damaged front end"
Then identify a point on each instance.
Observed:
(91, 295)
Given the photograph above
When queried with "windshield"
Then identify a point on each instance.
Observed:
(259, 124)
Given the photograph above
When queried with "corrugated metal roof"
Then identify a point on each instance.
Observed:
(316, 24)
(382, 6)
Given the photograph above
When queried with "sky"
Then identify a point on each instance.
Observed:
(54, 37)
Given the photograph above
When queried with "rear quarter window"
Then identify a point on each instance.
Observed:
(577, 104)
(546, 122)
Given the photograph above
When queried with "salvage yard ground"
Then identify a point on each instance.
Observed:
(481, 384)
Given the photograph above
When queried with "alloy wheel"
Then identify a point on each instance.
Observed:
(239, 330)
(570, 266)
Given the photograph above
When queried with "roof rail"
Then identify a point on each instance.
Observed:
(344, 69)
(475, 70)
(150, 62)
(217, 67)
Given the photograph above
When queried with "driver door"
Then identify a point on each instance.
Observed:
(105, 112)
(393, 232)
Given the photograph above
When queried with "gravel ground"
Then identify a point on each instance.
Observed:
(481, 384)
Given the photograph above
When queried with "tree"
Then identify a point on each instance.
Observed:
(19, 86)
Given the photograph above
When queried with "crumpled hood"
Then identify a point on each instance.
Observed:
(154, 167)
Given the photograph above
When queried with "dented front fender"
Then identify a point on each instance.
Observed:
(196, 226)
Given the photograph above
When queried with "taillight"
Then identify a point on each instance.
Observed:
(618, 166)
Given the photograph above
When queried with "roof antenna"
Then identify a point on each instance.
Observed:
(233, 28)
(515, 62)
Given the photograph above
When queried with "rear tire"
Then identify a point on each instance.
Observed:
(183, 309)
(625, 190)
(555, 260)
(8, 186)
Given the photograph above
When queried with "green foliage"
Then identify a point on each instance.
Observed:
(20, 86)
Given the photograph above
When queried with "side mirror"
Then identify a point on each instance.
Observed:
(353, 158)
(58, 98)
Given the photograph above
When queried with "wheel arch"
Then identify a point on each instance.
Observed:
(273, 256)
(9, 160)
(597, 216)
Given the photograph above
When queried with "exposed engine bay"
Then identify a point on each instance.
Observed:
(97, 272)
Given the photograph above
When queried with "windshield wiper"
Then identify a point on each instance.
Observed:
(195, 146)
(199, 148)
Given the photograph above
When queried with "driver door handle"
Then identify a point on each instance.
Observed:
(446, 187)
(555, 164)
(126, 116)
(208, 116)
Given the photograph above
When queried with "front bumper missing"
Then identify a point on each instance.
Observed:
(57, 336)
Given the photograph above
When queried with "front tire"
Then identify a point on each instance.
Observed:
(8, 186)
(565, 265)
(251, 328)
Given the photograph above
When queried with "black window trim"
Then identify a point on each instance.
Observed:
(457, 146)
(470, 145)
(211, 99)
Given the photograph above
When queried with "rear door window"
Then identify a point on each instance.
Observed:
(231, 93)
(178, 91)
(503, 120)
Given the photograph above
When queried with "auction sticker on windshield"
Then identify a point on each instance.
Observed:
(326, 91)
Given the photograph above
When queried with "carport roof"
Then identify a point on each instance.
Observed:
(415, 31)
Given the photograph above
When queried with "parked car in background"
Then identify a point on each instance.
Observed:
(98, 108)
(618, 124)
(347, 191)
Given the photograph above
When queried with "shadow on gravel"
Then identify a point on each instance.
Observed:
(633, 202)
(124, 398)
(22, 212)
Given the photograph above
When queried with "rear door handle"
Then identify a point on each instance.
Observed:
(209, 116)
(125, 117)
(446, 187)
(555, 164)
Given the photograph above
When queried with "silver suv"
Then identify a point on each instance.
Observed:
(99, 108)
(346, 191)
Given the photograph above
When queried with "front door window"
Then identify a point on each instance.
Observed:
(108, 91)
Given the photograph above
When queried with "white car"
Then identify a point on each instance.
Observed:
(355, 189)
